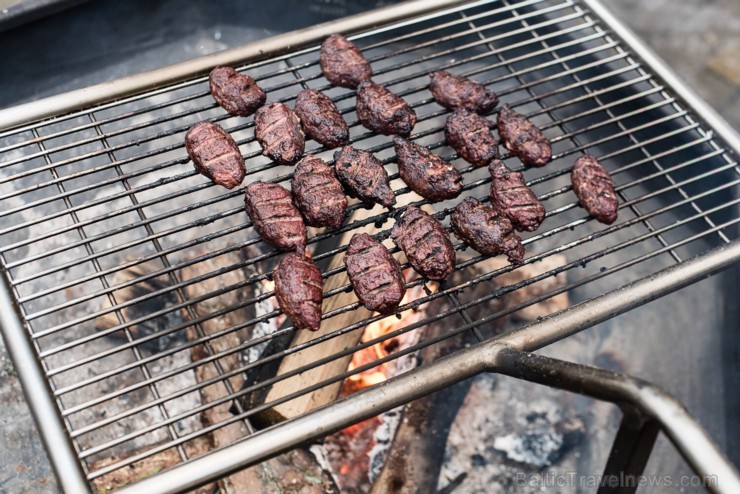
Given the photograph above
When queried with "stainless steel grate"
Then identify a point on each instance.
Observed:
(100, 190)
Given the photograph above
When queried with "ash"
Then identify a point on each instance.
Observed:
(384, 434)
(500, 433)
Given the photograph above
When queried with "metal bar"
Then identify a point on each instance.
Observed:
(298, 79)
(234, 193)
(669, 78)
(369, 221)
(403, 352)
(61, 452)
(531, 239)
(83, 98)
(647, 408)
(630, 452)
(444, 372)
(654, 404)
(218, 118)
(497, 293)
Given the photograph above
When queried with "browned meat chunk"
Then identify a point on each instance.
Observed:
(522, 138)
(299, 290)
(278, 131)
(320, 118)
(237, 93)
(215, 154)
(374, 273)
(426, 173)
(342, 62)
(470, 135)
(318, 194)
(426, 244)
(513, 199)
(274, 216)
(482, 228)
(383, 112)
(454, 91)
(595, 189)
(364, 176)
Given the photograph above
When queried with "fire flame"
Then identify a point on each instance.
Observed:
(379, 373)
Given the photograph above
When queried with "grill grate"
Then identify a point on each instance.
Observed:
(90, 194)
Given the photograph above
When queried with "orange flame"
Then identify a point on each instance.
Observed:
(377, 329)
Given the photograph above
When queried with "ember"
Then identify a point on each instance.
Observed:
(384, 348)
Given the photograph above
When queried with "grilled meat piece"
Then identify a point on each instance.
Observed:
(342, 62)
(278, 131)
(382, 111)
(299, 290)
(513, 199)
(364, 176)
(374, 273)
(318, 194)
(426, 244)
(470, 135)
(522, 138)
(454, 91)
(237, 93)
(426, 173)
(320, 118)
(486, 231)
(274, 216)
(215, 154)
(595, 189)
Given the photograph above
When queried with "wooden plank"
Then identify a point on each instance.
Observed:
(327, 394)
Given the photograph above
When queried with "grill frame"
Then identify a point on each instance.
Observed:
(25, 356)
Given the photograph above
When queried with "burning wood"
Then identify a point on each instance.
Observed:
(380, 373)
(402, 450)
(329, 393)
(297, 470)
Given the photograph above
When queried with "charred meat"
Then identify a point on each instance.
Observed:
(454, 91)
(274, 216)
(215, 154)
(364, 176)
(522, 138)
(320, 118)
(278, 131)
(382, 111)
(470, 135)
(299, 290)
(486, 231)
(513, 199)
(374, 273)
(237, 93)
(342, 62)
(426, 244)
(595, 189)
(426, 173)
(318, 194)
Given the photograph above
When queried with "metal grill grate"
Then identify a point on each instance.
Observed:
(90, 194)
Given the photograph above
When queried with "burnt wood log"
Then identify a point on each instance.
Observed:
(327, 394)
(416, 454)
(297, 471)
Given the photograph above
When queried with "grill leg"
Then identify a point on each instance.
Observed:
(629, 454)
